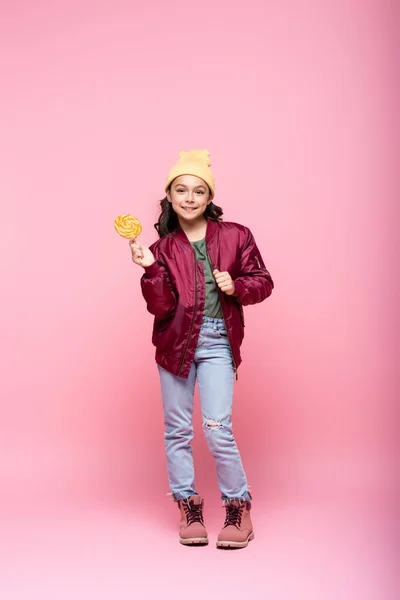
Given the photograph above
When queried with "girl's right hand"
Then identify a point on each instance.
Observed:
(141, 255)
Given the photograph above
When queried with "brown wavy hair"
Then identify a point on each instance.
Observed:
(168, 219)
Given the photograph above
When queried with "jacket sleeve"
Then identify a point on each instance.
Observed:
(254, 283)
(157, 289)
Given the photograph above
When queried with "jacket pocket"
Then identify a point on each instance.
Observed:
(259, 263)
(241, 314)
(159, 329)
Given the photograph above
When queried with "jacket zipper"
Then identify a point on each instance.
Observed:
(193, 318)
(227, 334)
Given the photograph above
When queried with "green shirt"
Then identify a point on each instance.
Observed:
(212, 307)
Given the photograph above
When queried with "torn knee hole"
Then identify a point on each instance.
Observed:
(212, 424)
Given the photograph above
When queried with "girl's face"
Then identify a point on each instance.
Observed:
(189, 196)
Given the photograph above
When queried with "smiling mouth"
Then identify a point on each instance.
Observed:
(189, 208)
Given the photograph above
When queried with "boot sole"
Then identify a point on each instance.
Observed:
(231, 544)
(194, 541)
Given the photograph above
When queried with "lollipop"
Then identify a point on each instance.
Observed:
(127, 226)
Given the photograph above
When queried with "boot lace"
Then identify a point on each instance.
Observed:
(194, 512)
(234, 514)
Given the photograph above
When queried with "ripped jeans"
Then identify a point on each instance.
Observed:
(213, 369)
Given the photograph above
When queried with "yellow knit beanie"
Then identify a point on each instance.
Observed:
(194, 162)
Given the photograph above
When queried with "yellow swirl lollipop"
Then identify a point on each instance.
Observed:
(127, 226)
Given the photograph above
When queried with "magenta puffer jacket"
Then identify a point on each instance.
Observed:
(174, 290)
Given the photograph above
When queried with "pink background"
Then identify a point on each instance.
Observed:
(296, 100)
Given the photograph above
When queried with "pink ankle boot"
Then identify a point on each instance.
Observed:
(238, 528)
(192, 530)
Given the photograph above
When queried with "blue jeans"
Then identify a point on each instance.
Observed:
(214, 371)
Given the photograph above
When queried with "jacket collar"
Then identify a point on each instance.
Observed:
(212, 228)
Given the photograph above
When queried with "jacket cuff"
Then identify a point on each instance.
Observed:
(152, 270)
(239, 289)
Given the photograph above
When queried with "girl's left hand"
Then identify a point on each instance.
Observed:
(224, 281)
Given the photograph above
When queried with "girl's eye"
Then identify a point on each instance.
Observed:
(180, 191)
(200, 192)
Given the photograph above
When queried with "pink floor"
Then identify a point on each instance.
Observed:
(300, 552)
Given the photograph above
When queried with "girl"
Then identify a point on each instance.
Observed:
(197, 278)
